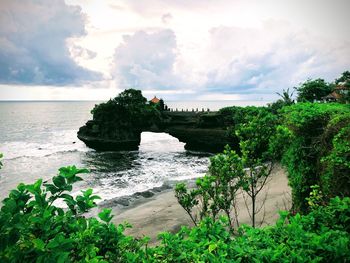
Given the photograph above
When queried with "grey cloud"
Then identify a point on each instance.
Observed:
(33, 46)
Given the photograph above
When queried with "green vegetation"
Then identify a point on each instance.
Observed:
(317, 89)
(321, 236)
(344, 80)
(216, 192)
(34, 229)
(313, 90)
(286, 99)
(129, 110)
(318, 150)
(240, 122)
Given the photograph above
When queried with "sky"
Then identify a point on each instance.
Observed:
(174, 49)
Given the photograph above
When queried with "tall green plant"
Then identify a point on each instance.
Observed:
(256, 136)
(216, 192)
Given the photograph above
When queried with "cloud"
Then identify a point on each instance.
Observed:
(270, 58)
(166, 18)
(247, 48)
(236, 62)
(146, 61)
(33, 43)
(80, 52)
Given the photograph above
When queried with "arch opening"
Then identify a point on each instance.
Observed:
(160, 142)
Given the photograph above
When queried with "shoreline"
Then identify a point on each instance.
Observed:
(161, 212)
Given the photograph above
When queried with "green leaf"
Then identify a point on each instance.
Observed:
(87, 193)
(39, 244)
(14, 236)
(51, 188)
(105, 215)
(10, 205)
(212, 247)
(59, 181)
(37, 185)
(63, 257)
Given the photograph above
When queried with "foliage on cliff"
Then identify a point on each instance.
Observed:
(256, 124)
(317, 150)
(312, 139)
(128, 110)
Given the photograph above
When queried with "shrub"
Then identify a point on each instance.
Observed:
(33, 229)
(318, 150)
(321, 236)
(216, 192)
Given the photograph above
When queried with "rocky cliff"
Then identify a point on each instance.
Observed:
(203, 131)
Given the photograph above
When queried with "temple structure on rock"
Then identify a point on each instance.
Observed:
(155, 100)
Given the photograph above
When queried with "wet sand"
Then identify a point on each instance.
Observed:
(163, 213)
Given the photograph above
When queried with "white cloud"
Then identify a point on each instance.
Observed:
(146, 61)
(246, 63)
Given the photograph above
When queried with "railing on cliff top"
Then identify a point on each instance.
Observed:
(185, 110)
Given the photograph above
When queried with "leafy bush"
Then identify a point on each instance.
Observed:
(229, 172)
(336, 163)
(33, 229)
(216, 192)
(286, 99)
(321, 236)
(255, 134)
(249, 123)
(317, 150)
(234, 116)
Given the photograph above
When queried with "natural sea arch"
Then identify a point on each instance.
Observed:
(203, 131)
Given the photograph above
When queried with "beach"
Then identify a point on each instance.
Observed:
(163, 213)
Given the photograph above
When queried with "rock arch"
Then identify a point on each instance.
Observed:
(204, 131)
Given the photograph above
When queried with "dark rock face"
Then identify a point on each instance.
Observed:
(200, 131)
(204, 131)
(116, 139)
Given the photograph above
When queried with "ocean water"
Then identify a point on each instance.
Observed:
(37, 138)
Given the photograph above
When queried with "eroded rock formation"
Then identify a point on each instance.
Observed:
(205, 131)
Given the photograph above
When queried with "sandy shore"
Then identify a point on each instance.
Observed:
(163, 213)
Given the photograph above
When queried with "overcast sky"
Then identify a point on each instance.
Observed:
(175, 49)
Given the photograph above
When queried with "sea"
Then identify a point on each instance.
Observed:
(39, 137)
